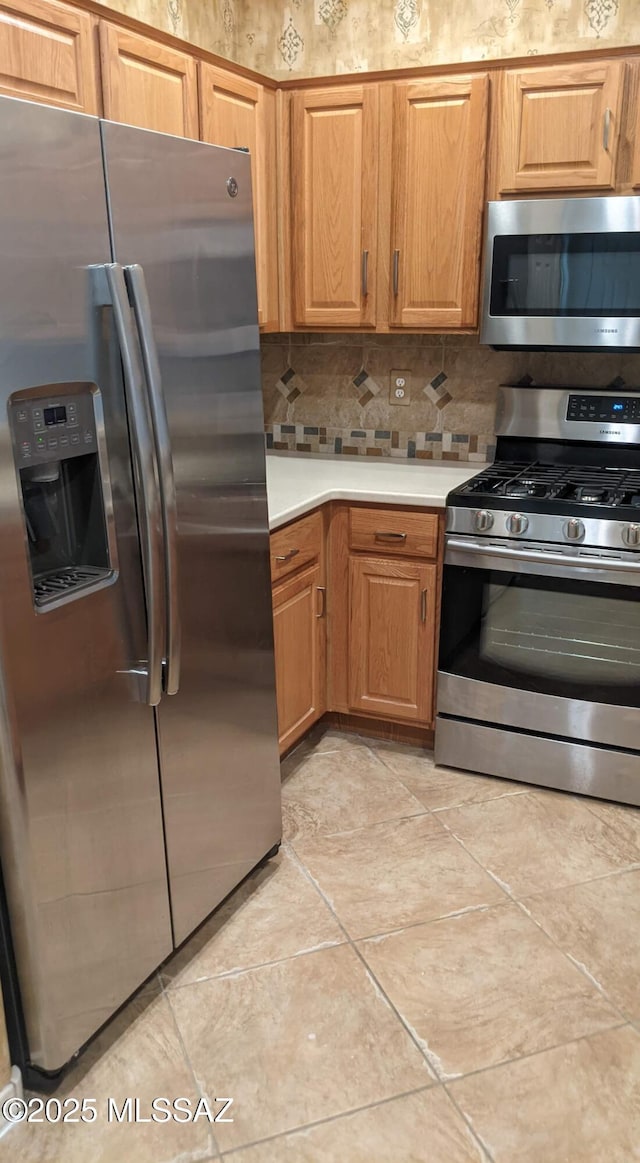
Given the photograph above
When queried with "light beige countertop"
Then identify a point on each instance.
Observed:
(298, 484)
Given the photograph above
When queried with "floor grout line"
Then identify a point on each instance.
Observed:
(198, 1085)
(437, 1081)
(510, 895)
(231, 973)
(323, 1122)
(535, 1053)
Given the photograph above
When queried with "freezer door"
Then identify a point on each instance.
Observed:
(81, 822)
(182, 210)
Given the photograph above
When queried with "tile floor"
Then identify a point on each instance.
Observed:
(437, 968)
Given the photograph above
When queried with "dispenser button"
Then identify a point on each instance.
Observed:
(38, 426)
(88, 436)
(75, 439)
(64, 440)
(25, 448)
(22, 415)
(52, 442)
(40, 443)
(36, 413)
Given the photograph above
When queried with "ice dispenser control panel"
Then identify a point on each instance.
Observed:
(54, 428)
(62, 485)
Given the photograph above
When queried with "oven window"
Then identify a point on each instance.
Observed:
(577, 640)
(592, 275)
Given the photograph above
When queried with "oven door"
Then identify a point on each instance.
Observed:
(541, 640)
(557, 276)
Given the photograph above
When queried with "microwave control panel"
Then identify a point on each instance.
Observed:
(53, 428)
(610, 409)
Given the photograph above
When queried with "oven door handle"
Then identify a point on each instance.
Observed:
(463, 551)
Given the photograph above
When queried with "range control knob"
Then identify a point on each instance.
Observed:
(517, 523)
(483, 520)
(574, 529)
(631, 535)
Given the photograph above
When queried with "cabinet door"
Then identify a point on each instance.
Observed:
(299, 637)
(46, 54)
(559, 127)
(241, 114)
(147, 84)
(392, 620)
(334, 190)
(439, 162)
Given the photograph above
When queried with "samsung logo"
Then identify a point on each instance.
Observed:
(607, 330)
(610, 432)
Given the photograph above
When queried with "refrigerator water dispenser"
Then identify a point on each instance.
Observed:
(64, 493)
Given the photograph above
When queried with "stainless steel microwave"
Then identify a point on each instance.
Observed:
(562, 273)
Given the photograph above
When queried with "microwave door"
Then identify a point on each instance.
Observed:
(562, 274)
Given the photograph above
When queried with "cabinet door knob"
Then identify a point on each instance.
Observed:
(322, 590)
(287, 556)
(423, 605)
(389, 535)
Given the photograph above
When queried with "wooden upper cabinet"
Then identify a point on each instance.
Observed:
(147, 84)
(46, 54)
(559, 127)
(241, 114)
(334, 190)
(438, 163)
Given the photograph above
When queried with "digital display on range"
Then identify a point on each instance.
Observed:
(604, 409)
(56, 415)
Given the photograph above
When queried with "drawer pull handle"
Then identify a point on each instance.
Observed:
(322, 590)
(287, 556)
(388, 535)
(423, 605)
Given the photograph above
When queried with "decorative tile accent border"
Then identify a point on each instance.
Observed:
(380, 442)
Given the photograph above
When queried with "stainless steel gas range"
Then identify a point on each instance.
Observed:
(539, 665)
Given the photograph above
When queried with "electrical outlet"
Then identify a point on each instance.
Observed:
(400, 387)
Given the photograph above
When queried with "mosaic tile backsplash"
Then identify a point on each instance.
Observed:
(331, 393)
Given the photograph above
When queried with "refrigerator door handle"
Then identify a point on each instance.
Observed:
(146, 485)
(136, 283)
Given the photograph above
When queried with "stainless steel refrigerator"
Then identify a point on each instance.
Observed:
(139, 774)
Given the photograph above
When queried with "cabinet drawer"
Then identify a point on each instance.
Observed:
(410, 533)
(296, 545)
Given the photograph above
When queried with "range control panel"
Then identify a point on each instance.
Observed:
(610, 409)
(53, 428)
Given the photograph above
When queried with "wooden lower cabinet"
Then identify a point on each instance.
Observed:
(392, 620)
(299, 626)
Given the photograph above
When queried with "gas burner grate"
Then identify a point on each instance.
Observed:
(51, 586)
(583, 485)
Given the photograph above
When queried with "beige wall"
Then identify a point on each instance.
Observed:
(330, 393)
(285, 38)
(211, 24)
